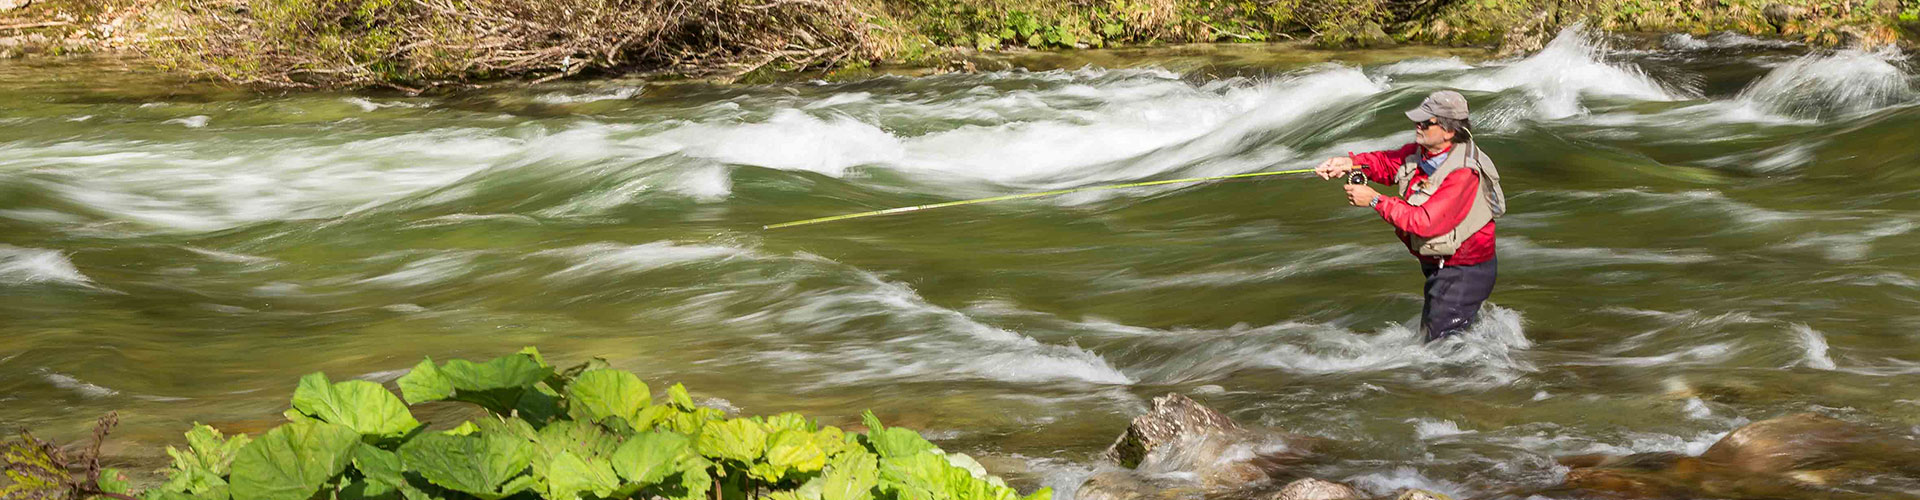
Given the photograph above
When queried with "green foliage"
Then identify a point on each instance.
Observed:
(290, 462)
(201, 469)
(601, 394)
(487, 466)
(360, 405)
(602, 436)
(893, 442)
(499, 385)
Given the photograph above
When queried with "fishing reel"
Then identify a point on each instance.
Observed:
(1356, 177)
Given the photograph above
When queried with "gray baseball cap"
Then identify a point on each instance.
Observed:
(1444, 103)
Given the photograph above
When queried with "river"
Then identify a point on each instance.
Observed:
(1704, 232)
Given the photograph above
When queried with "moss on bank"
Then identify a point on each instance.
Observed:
(421, 43)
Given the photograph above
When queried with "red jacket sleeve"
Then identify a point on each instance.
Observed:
(1444, 210)
(1379, 166)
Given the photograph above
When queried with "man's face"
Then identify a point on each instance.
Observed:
(1430, 134)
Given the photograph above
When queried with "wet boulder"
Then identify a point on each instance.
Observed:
(1181, 446)
(1128, 485)
(1780, 15)
(1173, 418)
(1796, 456)
(1783, 445)
(1316, 489)
(1418, 494)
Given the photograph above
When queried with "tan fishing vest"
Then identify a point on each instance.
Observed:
(1489, 205)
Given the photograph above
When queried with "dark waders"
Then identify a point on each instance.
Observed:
(1454, 295)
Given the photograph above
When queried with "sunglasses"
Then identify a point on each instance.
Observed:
(1425, 124)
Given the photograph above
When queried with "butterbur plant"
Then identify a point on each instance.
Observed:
(587, 432)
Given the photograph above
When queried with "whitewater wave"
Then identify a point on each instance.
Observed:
(25, 266)
(1722, 40)
(810, 313)
(1488, 354)
(1423, 66)
(1833, 85)
(1556, 80)
(1153, 121)
(68, 382)
(1529, 255)
(1815, 345)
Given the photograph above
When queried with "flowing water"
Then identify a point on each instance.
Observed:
(1708, 232)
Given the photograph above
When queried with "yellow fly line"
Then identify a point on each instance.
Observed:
(1022, 196)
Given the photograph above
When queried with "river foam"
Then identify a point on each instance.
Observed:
(1833, 85)
(25, 266)
(1572, 67)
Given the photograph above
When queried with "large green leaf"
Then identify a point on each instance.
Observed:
(691, 422)
(497, 384)
(921, 475)
(789, 420)
(831, 440)
(201, 469)
(696, 478)
(531, 352)
(791, 451)
(381, 475)
(379, 467)
(361, 405)
(964, 461)
(809, 490)
(114, 481)
(930, 474)
(651, 457)
(851, 476)
(486, 465)
(505, 372)
(598, 394)
(538, 406)
(290, 462)
(425, 383)
(561, 378)
(651, 416)
(583, 439)
(159, 494)
(569, 474)
(679, 396)
(738, 439)
(893, 442)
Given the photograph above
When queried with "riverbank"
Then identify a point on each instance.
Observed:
(419, 44)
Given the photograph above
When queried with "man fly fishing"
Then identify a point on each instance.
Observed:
(1450, 195)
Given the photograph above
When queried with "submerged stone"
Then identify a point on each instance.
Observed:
(1172, 417)
(1316, 489)
(1418, 494)
(1795, 456)
(1181, 447)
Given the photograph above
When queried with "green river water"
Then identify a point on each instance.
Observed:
(1703, 233)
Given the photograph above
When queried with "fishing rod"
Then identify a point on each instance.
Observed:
(1354, 177)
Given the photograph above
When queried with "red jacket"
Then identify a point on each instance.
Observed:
(1444, 210)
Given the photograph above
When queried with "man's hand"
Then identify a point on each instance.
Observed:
(1334, 167)
(1361, 195)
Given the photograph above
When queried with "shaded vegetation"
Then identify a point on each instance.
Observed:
(412, 44)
